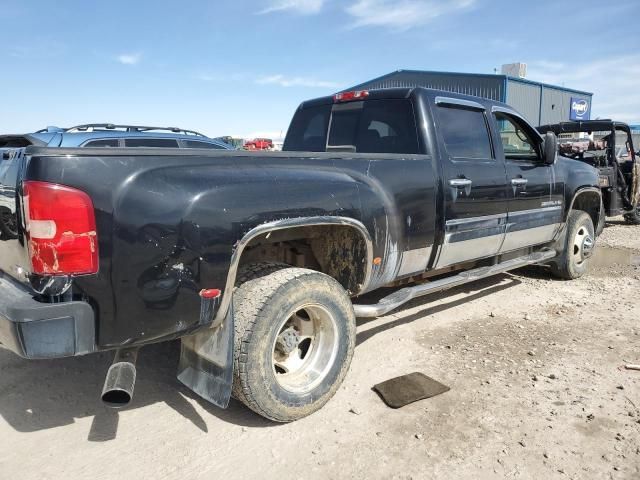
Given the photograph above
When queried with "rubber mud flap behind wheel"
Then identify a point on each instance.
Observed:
(206, 362)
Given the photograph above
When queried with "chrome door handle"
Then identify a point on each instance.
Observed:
(518, 182)
(460, 182)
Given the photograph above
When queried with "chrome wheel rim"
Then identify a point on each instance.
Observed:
(583, 245)
(305, 348)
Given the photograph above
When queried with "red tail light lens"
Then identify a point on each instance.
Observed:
(61, 229)
(350, 96)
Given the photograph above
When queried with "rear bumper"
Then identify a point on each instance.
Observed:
(37, 330)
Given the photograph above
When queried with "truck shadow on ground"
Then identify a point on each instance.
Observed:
(40, 395)
(472, 291)
(619, 223)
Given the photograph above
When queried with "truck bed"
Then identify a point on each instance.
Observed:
(168, 221)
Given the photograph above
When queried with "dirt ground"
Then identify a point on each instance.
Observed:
(534, 366)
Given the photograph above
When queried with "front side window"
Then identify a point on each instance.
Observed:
(517, 143)
(151, 142)
(465, 133)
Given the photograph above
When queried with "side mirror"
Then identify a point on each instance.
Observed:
(550, 148)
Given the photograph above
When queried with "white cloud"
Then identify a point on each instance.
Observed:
(129, 58)
(403, 14)
(304, 7)
(284, 81)
(613, 81)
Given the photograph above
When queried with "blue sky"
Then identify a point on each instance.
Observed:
(242, 67)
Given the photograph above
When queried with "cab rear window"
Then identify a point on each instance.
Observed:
(372, 126)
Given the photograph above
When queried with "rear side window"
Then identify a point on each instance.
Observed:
(151, 142)
(197, 144)
(372, 126)
(113, 142)
(465, 133)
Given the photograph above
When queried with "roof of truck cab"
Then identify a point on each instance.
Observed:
(406, 92)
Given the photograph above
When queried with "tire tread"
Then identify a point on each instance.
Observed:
(256, 285)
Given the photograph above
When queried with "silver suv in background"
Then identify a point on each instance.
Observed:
(108, 135)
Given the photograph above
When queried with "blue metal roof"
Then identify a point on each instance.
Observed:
(496, 77)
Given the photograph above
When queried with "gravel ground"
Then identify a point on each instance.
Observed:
(534, 366)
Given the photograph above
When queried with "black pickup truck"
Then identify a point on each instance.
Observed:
(258, 261)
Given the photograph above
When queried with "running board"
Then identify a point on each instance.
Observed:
(400, 297)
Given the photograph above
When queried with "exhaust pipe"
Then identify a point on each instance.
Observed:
(121, 379)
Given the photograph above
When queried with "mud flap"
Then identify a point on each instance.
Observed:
(206, 362)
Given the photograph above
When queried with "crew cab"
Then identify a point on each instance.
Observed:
(258, 261)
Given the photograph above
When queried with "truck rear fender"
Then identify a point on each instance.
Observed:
(206, 360)
(300, 228)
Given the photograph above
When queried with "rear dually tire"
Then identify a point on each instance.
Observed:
(295, 337)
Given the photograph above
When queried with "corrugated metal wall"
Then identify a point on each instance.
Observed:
(525, 98)
(491, 87)
(556, 105)
(539, 103)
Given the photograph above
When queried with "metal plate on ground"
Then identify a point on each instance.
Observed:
(407, 389)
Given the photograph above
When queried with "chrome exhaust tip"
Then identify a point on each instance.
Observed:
(121, 379)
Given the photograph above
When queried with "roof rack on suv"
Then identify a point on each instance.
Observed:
(129, 128)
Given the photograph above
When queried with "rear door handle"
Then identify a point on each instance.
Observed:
(460, 182)
(518, 182)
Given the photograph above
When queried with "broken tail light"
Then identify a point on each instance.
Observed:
(61, 229)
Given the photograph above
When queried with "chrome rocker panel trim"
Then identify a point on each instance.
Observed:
(400, 297)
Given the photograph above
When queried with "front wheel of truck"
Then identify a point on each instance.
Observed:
(295, 337)
(579, 245)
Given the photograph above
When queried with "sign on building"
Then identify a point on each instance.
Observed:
(580, 109)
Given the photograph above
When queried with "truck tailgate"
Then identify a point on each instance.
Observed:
(13, 255)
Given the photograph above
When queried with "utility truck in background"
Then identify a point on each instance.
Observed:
(609, 148)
